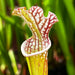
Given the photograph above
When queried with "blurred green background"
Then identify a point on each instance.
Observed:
(61, 56)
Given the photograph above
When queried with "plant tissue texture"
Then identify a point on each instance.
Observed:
(36, 47)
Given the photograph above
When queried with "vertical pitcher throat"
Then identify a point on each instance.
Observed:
(38, 64)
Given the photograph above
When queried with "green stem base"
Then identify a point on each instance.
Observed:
(38, 64)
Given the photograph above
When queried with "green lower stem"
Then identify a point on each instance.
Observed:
(38, 64)
(70, 65)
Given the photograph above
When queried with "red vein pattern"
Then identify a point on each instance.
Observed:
(39, 26)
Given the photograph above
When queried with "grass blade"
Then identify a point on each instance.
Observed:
(70, 10)
(12, 58)
(60, 30)
(8, 35)
(2, 4)
(28, 4)
(6, 58)
(21, 3)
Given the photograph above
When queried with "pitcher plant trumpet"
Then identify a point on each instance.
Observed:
(35, 49)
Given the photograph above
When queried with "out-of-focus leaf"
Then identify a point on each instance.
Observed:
(60, 30)
(36, 3)
(48, 5)
(2, 38)
(70, 9)
(21, 3)
(1, 73)
(1, 27)
(20, 38)
(11, 21)
(28, 4)
(7, 18)
(2, 4)
(12, 58)
(6, 58)
(8, 35)
(11, 4)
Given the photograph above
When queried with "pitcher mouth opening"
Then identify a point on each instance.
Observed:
(36, 53)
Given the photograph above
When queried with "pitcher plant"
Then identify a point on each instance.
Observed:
(35, 49)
